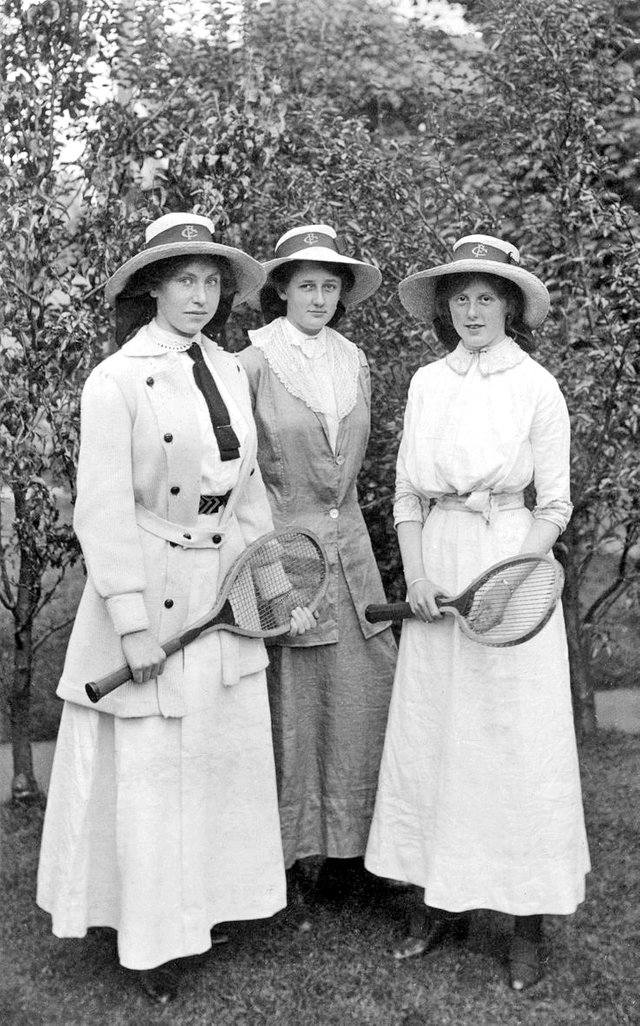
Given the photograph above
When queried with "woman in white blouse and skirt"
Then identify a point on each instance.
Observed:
(479, 802)
(329, 692)
(162, 816)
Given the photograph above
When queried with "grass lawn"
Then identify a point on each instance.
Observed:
(339, 971)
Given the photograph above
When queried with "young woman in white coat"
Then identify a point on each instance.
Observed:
(162, 816)
(479, 802)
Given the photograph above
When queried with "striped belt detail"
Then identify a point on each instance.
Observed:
(212, 503)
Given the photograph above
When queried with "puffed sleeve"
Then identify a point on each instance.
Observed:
(550, 442)
(407, 504)
(104, 514)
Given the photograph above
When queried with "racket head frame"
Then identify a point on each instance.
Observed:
(96, 690)
(245, 558)
(457, 604)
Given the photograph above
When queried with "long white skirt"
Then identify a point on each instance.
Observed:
(161, 828)
(479, 797)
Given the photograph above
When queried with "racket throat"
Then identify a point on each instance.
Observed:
(221, 619)
(226, 615)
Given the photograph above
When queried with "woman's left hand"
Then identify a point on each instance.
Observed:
(302, 620)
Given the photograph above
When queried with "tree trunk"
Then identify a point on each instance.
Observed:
(24, 786)
(122, 62)
(582, 690)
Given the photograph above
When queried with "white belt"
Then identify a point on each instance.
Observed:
(483, 501)
(193, 536)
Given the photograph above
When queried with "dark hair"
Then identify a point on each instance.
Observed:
(135, 306)
(273, 306)
(450, 284)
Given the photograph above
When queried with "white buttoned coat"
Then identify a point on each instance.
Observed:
(136, 517)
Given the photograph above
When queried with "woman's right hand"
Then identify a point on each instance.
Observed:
(144, 655)
(301, 621)
(421, 595)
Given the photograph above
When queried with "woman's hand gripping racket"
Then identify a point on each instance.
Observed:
(278, 573)
(506, 605)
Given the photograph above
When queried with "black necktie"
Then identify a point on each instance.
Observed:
(225, 435)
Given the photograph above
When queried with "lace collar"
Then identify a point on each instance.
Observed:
(501, 357)
(295, 360)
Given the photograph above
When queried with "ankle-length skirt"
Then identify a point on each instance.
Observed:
(479, 799)
(329, 706)
(162, 828)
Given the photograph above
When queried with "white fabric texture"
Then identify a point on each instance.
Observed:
(215, 473)
(142, 444)
(479, 797)
(488, 421)
(162, 820)
(161, 828)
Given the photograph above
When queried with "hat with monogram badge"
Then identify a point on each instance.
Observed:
(476, 254)
(317, 243)
(174, 235)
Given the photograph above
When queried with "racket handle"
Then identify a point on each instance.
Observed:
(98, 689)
(390, 611)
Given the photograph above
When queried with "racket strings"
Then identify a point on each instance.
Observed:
(533, 592)
(286, 573)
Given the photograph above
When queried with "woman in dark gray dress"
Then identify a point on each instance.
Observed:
(329, 692)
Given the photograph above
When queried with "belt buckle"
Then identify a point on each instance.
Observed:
(210, 504)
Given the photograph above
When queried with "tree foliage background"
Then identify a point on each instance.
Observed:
(267, 114)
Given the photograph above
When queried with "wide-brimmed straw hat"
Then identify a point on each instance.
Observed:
(184, 234)
(317, 243)
(476, 254)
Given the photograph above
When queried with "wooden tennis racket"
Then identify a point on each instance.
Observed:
(506, 605)
(272, 577)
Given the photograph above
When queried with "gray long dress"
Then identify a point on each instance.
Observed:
(330, 689)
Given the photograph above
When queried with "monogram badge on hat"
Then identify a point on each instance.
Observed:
(318, 243)
(477, 254)
(186, 234)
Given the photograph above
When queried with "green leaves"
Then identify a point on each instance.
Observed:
(306, 110)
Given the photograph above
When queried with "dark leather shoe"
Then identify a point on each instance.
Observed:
(525, 967)
(160, 984)
(453, 927)
(338, 879)
(219, 936)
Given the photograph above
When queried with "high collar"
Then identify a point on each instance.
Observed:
(169, 340)
(500, 357)
(152, 340)
(313, 346)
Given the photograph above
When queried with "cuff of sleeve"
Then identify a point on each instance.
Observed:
(558, 513)
(128, 612)
(409, 507)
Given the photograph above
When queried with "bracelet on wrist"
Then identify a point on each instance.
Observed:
(415, 581)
